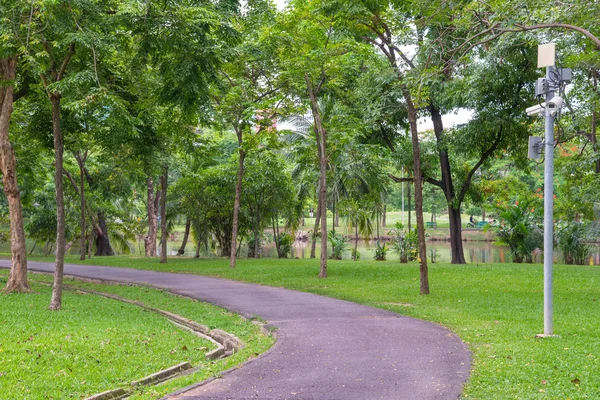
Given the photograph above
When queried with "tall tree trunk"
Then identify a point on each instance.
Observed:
(276, 234)
(236, 203)
(355, 242)
(458, 255)
(152, 206)
(80, 161)
(334, 212)
(163, 215)
(56, 300)
(17, 280)
(384, 221)
(186, 235)
(409, 201)
(313, 246)
(257, 236)
(103, 247)
(418, 182)
(321, 135)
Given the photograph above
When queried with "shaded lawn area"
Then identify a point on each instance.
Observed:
(96, 344)
(496, 308)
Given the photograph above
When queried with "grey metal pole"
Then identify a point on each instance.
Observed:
(548, 209)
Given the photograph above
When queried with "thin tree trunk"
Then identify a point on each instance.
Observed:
(80, 161)
(313, 246)
(409, 201)
(186, 234)
(17, 280)
(321, 134)
(56, 300)
(163, 215)
(276, 234)
(197, 255)
(334, 212)
(418, 182)
(150, 239)
(236, 203)
(33, 248)
(355, 242)
(384, 221)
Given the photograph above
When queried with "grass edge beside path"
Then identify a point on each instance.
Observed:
(72, 354)
(497, 309)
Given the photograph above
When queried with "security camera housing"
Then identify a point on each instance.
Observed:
(534, 110)
(555, 104)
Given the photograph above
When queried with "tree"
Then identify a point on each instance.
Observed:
(376, 21)
(10, 51)
(317, 59)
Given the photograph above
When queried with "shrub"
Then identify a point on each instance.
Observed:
(571, 242)
(380, 252)
(338, 245)
(285, 245)
(405, 243)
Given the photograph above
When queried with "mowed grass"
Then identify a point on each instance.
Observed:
(96, 344)
(496, 309)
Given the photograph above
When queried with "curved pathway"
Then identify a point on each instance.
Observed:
(327, 349)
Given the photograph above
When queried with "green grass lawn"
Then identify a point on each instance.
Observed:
(96, 344)
(497, 309)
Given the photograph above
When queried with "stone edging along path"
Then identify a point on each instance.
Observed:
(327, 349)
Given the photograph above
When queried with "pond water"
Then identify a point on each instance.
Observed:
(475, 251)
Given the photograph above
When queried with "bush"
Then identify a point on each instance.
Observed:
(519, 230)
(285, 245)
(355, 254)
(338, 245)
(380, 252)
(571, 242)
(405, 243)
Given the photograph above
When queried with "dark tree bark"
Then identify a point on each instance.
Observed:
(313, 246)
(409, 201)
(152, 211)
(81, 162)
(163, 215)
(458, 255)
(103, 247)
(56, 300)
(17, 280)
(384, 219)
(236, 202)
(186, 235)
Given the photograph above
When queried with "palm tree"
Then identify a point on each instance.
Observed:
(358, 215)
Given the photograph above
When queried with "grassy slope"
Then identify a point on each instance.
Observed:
(496, 309)
(95, 344)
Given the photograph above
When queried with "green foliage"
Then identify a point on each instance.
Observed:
(519, 229)
(338, 244)
(572, 241)
(285, 244)
(380, 252)
(405, 243)
(355, 254)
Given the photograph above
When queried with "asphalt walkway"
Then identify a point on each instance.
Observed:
(327, 349)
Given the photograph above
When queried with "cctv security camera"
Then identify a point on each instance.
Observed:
(555, 104)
